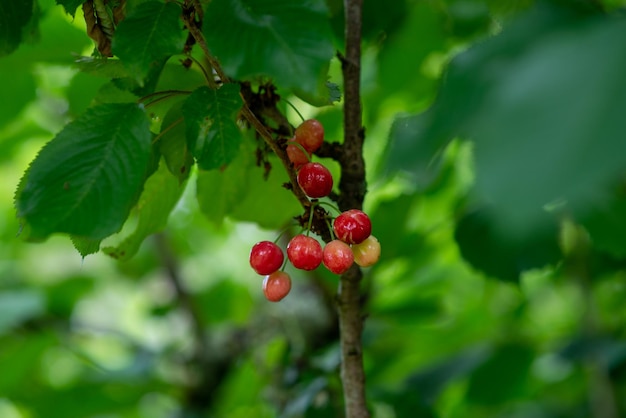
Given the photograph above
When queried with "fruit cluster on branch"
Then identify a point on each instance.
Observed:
(351, 240)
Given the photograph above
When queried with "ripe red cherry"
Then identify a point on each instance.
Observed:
(337, 256)
(304, 252)
(276, 286)
(296, 155)
(352, 226)
(315, 180)
(367, 253)
(310, 134)
(266, 257)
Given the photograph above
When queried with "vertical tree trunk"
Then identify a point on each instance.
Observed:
(352, 192)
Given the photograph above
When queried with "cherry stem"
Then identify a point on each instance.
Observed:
(311, 212)
(330, 205)
(281, 234)
(161, 95)
(330, 228)
(295, 108)
(299, 146)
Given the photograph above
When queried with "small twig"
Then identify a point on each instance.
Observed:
(166, 130)
(252, 119)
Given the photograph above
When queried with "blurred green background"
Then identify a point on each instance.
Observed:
(483, 304)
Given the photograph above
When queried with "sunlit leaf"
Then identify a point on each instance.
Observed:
(160, 194)
(87, 178)
(70, 6)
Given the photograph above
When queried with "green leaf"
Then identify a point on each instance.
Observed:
(21, 89)
(85, 181)
(289, 41)
(147, 36)
(85, 246)
(220, 191)
(502, 377)
(412, 152)
(70, 6)
(544, 130)
(212, 132)
(501, 255)
(241, 192)
(160, 195)
(606, 225)
(14, 16)
(173, 144)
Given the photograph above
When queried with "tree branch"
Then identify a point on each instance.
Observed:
(352, 193)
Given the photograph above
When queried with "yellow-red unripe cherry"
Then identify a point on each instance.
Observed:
(367, 253)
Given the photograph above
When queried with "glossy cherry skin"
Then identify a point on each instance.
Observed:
(276, 286)
(315, 180)
(304, 252)
(337, 256)
(352, 226)
(296, 155)
(367, 253)
(310, 134)
(266, 257)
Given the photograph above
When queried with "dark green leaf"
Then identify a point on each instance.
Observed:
(212, 132)
(501, 377)
(173, 144)
(289, 41)
(606, 225)
(70, 6)
(21, 89)
(86, 246)
(14, 15)
(85, 181)
(504, 256)
(519, 96)
(159, 197)
(149, 34)
(412, 152)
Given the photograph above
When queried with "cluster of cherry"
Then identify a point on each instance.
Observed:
(353, 243)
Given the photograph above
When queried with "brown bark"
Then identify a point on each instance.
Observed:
(352, 192)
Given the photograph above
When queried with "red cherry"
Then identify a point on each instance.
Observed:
(315, 180)
(266, 257)
(310, 134)
(304, 252)
(276, 286)
(337, 256)
(367, 253)
(296, 155)
(352, 226)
